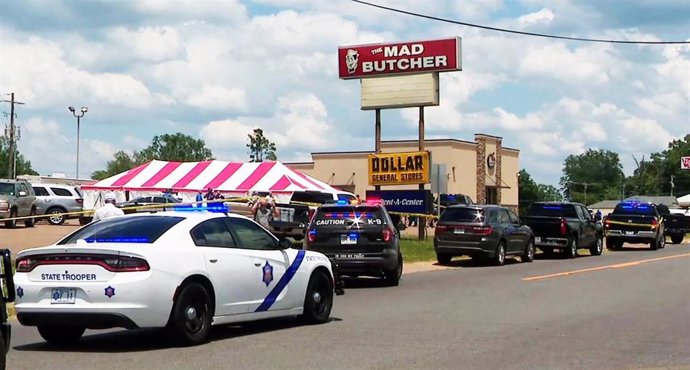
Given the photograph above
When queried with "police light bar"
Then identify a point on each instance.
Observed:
(190, 208)
(342, 202)
(117, 240)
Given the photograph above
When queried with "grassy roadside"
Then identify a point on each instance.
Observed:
(414, 250)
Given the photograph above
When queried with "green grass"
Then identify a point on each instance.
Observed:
(414, 250)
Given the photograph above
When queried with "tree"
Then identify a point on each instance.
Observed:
(23, 167)
(121, 163)
(529, 191)
(177, 147)
(260, 147)
(667, 164)
(592, 176)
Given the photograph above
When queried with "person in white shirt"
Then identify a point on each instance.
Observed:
(108, 209)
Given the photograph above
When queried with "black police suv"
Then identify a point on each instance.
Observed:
(362, 238)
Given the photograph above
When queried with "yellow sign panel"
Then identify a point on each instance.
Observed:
(399, 168)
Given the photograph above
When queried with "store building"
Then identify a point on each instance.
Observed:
(484, 169)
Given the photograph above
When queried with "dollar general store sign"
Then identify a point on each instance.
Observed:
(399, 168)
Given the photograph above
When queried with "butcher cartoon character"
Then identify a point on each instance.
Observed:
(351, 59)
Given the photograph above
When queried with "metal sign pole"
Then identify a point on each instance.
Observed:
(421, 223)
(377, 145)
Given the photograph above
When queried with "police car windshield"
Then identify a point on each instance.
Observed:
(635, 209)
(134, 229)
(346, 215)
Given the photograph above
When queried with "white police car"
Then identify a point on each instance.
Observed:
(181, 270)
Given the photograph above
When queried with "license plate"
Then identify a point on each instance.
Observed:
(459, 231)
(350, 255)
(348, 239)
(63, 296)
(629, 233)
(537, 239)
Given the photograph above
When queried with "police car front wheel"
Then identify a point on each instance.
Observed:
(318, 301)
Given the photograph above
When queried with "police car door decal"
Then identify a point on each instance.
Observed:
(282, 283)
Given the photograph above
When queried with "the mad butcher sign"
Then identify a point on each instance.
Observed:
(360, 61)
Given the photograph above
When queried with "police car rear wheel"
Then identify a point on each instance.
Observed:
(191, 316)
(55, 334)
(392, 277)
(319, 299)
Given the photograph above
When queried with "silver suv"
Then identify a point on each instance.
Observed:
(17, 199)
(54, 200)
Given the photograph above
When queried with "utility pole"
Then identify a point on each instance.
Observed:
(672, 185)
(12, 142)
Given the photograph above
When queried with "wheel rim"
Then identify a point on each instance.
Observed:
(530, 250)
(319, 298)
(501, 254)
(600, 245)
(55, 217)
(573, 248)
(194, 317)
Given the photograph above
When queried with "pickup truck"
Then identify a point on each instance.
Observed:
(634, 222)
(7, 293)
(676, 225)
(564, 226)
(292, 221)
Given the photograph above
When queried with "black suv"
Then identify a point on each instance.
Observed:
(482, 231)
(362, 238)
(6, 295)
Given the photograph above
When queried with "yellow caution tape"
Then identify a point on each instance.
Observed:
(633, 224)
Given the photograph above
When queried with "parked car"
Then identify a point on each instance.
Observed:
(481, 232)
(17, 199)
(676, 223)
(634, 222)
(362, 238)
(149, 202)
(7, 294)
(54, 200)
(564, 226)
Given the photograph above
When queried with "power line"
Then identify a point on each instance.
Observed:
(446, 20)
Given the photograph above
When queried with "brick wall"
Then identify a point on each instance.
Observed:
(481, 170)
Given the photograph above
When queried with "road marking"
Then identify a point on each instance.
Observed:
(615, 266)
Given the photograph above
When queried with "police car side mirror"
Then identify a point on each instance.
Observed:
(285, 244)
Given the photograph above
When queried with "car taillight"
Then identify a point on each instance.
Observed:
(387, 235)
(655, 223)
(482, 230)
(440, 229)
(110, 263)
(80, 201)
(564, 227)
(311, 235)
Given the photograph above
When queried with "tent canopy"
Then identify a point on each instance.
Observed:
(684, 201)
(231, 177)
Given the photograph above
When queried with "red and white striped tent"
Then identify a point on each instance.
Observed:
(186, 178)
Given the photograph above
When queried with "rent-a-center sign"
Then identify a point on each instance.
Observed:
(361, 61)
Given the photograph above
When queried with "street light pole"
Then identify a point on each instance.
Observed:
(83, 110)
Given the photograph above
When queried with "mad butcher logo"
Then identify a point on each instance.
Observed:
(351, 60)
(398, 58)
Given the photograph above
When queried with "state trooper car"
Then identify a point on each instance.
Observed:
(184, 271)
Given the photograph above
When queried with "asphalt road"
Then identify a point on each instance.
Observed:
(631, 314)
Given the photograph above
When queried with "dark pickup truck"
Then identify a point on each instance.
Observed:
(564, 226)
(635, 223)
(676, 226)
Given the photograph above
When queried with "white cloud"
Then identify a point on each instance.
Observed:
(542, 16)
(219, 98)
(148, 43)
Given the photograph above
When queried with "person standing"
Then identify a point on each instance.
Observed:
(263, 210)
(199, 199)
(108, 210)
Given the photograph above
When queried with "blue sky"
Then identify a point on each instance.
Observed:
(216, 70)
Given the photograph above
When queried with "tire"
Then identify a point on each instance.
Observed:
(677, 239)
(443, 259)
(598, 247)
(3, 354)
(392, 277)
(55, 216)
(500, 255)
(613, 245)
(571, 251)
(190, 319)
(318, 300)
(61, 335)
(30, 222)
(11, 224)
(528, 256)
(654, 244)
(662, 242)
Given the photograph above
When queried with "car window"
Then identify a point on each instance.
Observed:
(347, 197)
(251, 235)
(134, 229)
(213, 233)
(635, 209)
(348, 215)
(491, 216)
(552, 210)
(24, 187)
(586, 214)
(61, 192)
(6, 189)
(143, 200)
(41, 191)
(159, 200)
(462, 214)
(503, 217)
(514, 219)
(311, 197)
